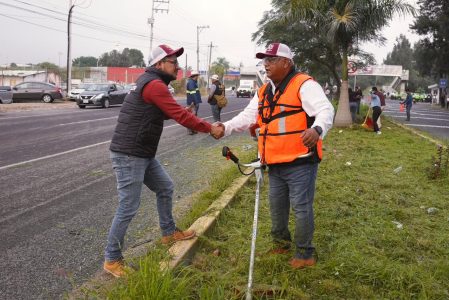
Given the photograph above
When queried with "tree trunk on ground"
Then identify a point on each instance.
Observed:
(343, 116)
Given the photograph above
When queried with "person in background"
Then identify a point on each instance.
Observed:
(133, 149)
(359, 97)
(293, 114)
(408, 103)
(381, 96)
(193, 95)
(216, 88)
(377, 110)
(352, 104)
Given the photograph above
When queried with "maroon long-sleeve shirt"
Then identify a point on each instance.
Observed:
(156, 93)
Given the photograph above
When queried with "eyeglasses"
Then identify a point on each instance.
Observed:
(174, 62)
(270, 60)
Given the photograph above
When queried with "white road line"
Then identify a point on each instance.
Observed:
(86, 147)
(415, 117)
(87, 121)
(423, 125)
(51, 156)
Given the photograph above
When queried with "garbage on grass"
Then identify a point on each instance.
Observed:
(247, 147)
(398, 225)
(397, 170)
(432, 210)
(348, 163)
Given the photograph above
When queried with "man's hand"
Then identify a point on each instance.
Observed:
(310, 137)
(217, 130)
(190, 107)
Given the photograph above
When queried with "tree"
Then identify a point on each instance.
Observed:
(403, 54)
(220, 66)
(432, 51)
(345, 23)
(47, 65)
(85, 61)
(127, 58)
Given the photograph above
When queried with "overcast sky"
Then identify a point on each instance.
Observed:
(35, 30)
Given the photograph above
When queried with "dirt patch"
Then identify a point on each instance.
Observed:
(57, 104)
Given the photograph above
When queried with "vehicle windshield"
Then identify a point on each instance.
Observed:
(98, 87)
(244, 87)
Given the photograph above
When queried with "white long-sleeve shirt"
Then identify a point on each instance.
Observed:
(314, 103)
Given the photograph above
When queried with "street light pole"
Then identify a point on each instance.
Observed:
(151, 19)
(198, 30)
(69, 50)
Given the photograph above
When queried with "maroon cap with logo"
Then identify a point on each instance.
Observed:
(163, 51)
(276, 49)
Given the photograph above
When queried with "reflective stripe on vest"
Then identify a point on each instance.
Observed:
(193, 92)
(282, 124)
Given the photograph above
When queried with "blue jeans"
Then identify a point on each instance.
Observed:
(408, 108)
(293, 186)
(216, 111)
(131, 172)
(353, 106)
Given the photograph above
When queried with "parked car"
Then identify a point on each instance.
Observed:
(245, 91)
(5, 94)
(130, 87)
(103, 94)
(29, 90)
(73, 93)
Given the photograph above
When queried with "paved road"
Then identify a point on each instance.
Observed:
(424, 116)
(58, 194)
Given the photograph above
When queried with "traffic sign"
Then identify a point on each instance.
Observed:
(443, 83)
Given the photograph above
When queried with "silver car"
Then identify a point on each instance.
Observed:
(5, 95)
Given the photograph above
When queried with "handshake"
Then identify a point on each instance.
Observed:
(217, 130)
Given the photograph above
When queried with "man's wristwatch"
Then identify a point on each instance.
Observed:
(318, 129)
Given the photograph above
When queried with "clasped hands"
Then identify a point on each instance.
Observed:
(217, 130)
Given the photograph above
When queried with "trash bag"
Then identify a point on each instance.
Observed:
(401, 107)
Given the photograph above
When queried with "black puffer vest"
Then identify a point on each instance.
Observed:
(218, 91)
(139, 125)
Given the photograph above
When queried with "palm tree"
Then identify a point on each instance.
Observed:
(346, 23)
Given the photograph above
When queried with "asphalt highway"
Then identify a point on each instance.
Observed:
(58, 193)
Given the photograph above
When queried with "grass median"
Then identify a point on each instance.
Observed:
(382, 230)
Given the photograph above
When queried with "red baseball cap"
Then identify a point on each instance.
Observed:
(162, 51)
(276, 50)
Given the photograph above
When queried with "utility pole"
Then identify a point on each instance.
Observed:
(151, 19)
(198, 30)
(185, 70)
(209, 62)
(69, 49)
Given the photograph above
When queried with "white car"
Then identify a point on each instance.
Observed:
(73, 93)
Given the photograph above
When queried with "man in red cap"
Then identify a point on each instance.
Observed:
(133, 149)
(293, 114)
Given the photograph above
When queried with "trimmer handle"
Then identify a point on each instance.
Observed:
(229, 155)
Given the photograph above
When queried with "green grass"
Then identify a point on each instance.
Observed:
(362, 253)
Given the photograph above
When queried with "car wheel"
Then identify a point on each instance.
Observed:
(82, 106)
(47, 98)
(106, 103)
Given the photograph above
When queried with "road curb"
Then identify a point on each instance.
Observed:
(183, 251)
(436, 141)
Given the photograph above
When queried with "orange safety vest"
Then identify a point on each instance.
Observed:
(282, 121)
